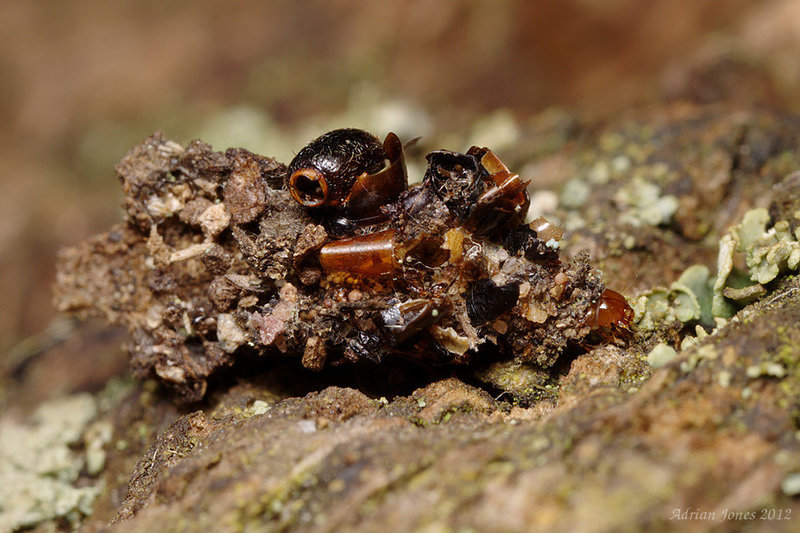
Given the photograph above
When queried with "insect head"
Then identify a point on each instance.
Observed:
(348, 171)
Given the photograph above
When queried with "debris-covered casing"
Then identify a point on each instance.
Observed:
(216, 261)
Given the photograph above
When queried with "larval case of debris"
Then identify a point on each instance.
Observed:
(332, 260)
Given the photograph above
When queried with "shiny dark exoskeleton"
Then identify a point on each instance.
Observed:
(478, 189)
(487, 301)
(348, 173)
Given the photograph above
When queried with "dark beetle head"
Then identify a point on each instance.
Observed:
(348, 170)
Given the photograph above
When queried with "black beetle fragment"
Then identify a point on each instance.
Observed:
(486, 300)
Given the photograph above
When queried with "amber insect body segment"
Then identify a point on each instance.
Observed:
(546, 230)
(505, 203)
(611, 311)
(372, 254)
(372, 191)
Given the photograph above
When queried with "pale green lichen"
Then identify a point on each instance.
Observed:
(518, 379)
(697, 279)
(727, 248)
(260, 407)
(96, 438)
(575, 193)
(651, 308)
(686, 305)
(766, 368)
(791, 484)
(699, 334)
(687, 299)
(751, 229)
(38, 467)
(768, 253)
(745, 295)
(660, 355)
(612, 142)
(600, 173)
(696, 356)
(499, 130)
(644, 203)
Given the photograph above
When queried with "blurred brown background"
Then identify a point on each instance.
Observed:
(83, 81)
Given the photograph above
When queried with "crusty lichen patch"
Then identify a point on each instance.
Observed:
(41, 463)
(686, 299)
(770, 247)
(642, 202)
(753, 255)
(650, 192)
